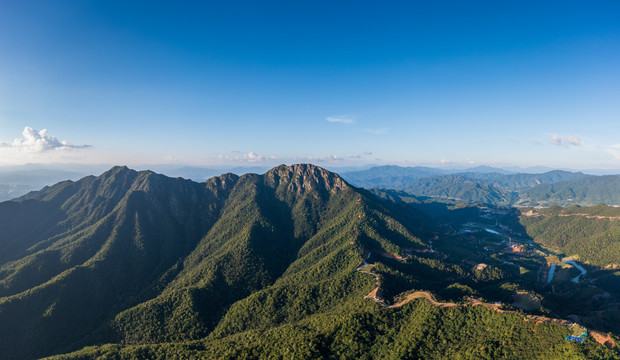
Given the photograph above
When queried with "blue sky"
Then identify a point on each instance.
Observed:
(334, 83)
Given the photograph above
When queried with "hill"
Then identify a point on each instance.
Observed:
(488, 187)
(591, 233)
(108, 255)
(519, 181)
(292, 263)
(389, 176)
(461, 187)
(590, 190)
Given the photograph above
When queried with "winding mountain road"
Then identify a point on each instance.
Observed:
(374, 295)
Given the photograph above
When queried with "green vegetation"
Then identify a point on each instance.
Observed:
(591, 233)
(362, 330)
(141, 258)
(389, 176)
(587, 191)
(492, 188)
(461, 187)
(138, 265)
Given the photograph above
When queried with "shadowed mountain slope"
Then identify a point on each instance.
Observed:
(115, 257)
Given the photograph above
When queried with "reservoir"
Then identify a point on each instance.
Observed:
(492, 231)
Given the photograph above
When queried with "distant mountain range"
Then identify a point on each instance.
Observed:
(555, 187)
(390, 176)
(16, 181)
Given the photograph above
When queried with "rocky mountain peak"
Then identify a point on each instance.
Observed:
(304, 177)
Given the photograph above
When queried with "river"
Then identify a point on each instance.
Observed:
(572, 262)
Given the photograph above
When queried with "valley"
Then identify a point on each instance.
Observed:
(408, 296)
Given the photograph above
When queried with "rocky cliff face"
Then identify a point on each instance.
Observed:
(301, 178)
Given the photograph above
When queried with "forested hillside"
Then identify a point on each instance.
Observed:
(461, 187)
(139, 257)
(587, 191)
(592, 233)
(362, 330)
(555, 187)
(293, 263)
(390, 176)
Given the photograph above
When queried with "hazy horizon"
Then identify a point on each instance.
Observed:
(96, 169)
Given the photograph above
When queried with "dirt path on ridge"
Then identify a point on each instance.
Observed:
(375, 295)
(421, 295)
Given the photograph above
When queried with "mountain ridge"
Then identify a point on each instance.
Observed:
(486, 186)
(141, 236)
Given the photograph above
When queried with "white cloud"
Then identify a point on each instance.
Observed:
(367, 152)
(343, 119)
(614, 150)
(572, 140)
(555, 139)
(170, 158)
(376, 131)
(331, 157)
(34, 141)
(328, 158)
(253, 157)
(238, 156)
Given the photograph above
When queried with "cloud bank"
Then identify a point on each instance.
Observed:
(343, 119)
(614, 150)
(555, 139)
(238, 156)
(34, 141)
(377, 131)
